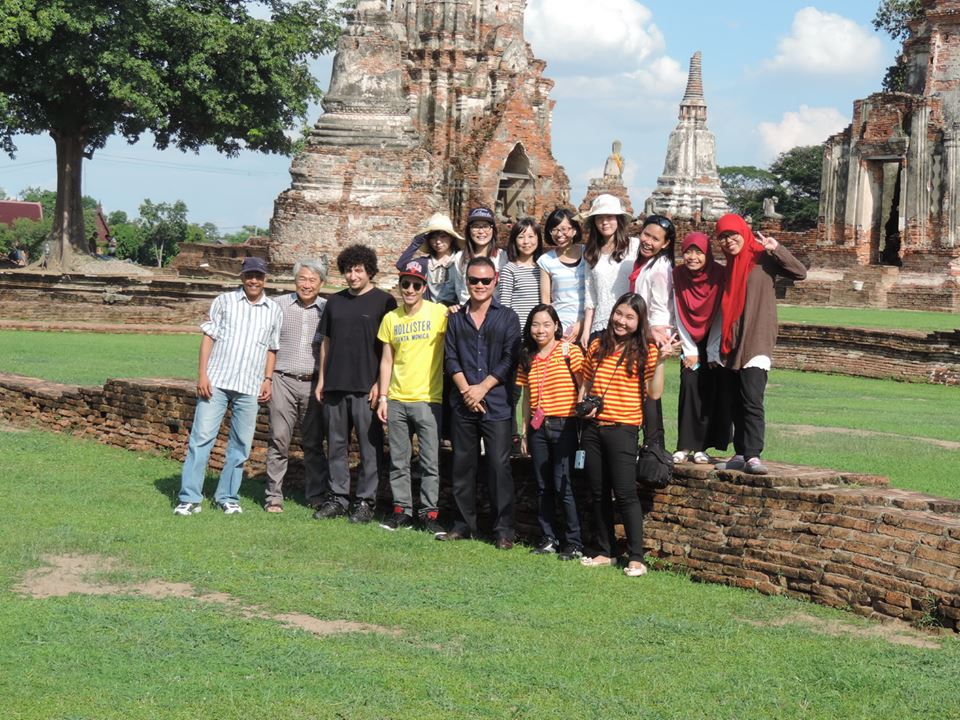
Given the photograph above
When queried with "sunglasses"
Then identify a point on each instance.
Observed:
(659, 220)
(479, 281)
(415, 284)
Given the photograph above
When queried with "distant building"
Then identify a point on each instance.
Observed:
(11, 210)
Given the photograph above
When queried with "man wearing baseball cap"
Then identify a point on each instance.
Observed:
(411, 393)
(237, 355)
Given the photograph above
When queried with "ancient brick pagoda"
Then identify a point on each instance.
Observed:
(890, 192)
(433, 105)
(689, 188)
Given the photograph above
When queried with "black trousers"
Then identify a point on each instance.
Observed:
(747, 388)
(704, 410)
(497, 436)
(611, 465)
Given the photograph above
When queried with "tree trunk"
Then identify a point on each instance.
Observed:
(68, 244)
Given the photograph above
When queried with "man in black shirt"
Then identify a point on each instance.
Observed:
(347, 382)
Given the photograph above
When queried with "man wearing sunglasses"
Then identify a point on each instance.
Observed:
(482, 345)
(411, 391)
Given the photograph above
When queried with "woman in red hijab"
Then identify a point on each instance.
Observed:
(703, 419)
(749, 330)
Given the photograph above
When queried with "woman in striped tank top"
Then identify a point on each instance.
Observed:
(618, 363)
(550, 371)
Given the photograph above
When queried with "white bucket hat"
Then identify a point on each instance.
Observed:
(605, 204)
(438, 222)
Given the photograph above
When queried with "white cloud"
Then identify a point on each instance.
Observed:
(808, 126)
(602, 32)
(827, 43)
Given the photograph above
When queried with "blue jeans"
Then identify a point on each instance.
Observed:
(206, 427)
(552, 448)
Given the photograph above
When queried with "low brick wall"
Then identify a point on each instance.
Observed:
(894, 354)
(840, 539)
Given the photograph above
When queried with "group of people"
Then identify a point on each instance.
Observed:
(555, 351)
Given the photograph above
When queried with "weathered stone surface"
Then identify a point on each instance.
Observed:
(689, 187)
(890, 190)
(433, 105)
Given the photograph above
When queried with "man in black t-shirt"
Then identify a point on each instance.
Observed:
(347, 382)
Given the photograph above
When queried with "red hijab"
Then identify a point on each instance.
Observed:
(698, 294)
(735, 277)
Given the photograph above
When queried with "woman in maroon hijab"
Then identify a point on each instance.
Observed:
(703, 418)
(749, 330)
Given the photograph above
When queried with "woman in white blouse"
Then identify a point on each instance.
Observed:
(610, 257)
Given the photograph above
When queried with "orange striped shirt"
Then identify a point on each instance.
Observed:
(559, 393)
(622, 402)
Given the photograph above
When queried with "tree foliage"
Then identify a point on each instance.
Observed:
(794, 178)
(894, 17)
(191, 72)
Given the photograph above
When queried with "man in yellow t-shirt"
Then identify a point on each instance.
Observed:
(411, 392)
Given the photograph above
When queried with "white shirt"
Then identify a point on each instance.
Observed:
(655, 285)
(606, 281)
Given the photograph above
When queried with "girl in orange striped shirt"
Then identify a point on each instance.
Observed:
(550, 369)
(617, 363)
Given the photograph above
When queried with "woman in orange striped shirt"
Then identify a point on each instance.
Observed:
(551, 369)
(617, 364)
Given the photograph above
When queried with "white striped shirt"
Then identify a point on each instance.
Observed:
(519, 288)
(242, 332)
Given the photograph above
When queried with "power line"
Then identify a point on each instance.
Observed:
(124, 160)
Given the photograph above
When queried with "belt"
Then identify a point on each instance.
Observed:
(302, 378)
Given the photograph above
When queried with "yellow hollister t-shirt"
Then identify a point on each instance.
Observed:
(417, 343)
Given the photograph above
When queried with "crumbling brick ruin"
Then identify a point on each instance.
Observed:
(890, 192)
(433, 105)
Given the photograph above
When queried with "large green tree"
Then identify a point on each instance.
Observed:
(798, 173)
(190, 72)
(894, 18)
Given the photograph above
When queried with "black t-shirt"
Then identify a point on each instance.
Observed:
(353, 355)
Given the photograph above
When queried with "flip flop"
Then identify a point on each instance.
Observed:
(635, 571)
(597, 562)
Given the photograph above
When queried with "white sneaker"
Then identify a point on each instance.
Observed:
(230, 508)
(680, 456)
(701, 458)
(186, 508)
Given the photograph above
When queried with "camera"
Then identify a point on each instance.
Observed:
(589, 403)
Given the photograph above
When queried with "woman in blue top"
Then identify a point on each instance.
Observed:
(562, 271)
(438, 238)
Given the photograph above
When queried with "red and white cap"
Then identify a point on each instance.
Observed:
(414, 269)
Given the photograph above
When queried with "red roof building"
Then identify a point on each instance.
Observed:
(11, 210)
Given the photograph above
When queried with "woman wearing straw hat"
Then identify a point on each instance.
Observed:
(440, 239)
(609, 255)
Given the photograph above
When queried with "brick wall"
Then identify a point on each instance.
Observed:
(840, 539)
(899, 355)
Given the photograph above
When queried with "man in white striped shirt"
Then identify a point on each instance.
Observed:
(237, 355)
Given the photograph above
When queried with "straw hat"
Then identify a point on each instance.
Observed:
(605, 205)
(438, 222)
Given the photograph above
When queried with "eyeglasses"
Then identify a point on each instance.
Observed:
(479, 281)
(562, 231)
(415, 284)
(482, 226)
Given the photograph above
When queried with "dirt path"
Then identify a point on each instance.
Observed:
(70, 574)
(804, 430)
(894, 632)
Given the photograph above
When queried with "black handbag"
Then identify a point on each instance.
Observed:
(654, 463)
(654, 467)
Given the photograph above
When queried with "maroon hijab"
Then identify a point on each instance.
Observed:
(698, 294)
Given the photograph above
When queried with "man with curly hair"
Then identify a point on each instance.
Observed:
(347, 383)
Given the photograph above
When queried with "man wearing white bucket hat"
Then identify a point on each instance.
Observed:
(440, 241)
(609, 255)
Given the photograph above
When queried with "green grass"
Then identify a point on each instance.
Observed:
(869, 318)
(91, 358)
(908, 415)
(482, 633)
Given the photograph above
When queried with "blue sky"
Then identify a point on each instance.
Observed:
(776, 73)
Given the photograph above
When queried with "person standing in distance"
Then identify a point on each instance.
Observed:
(293, 397)
(237, 356)
(347, 380)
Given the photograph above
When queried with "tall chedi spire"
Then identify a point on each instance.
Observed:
(690, 183)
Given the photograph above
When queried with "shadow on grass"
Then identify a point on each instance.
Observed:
(252, 488)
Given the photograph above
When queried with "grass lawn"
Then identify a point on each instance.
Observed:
(478, 633)
(869, 318)
(855, 424)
